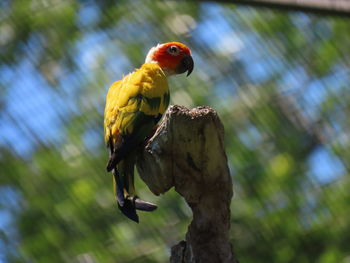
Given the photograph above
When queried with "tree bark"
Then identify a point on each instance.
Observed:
(187, 152)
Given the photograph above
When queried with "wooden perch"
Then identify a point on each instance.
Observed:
(187, 152)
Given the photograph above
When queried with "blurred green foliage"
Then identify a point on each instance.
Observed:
(278, 80)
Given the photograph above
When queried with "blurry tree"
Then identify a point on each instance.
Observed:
(279, 82)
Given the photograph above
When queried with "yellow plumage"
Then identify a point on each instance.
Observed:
(124, 96)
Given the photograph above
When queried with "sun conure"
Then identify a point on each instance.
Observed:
(134, 105)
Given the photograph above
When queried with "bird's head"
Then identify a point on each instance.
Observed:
(172, 57)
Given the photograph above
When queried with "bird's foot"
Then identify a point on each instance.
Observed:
(128, 209)
(131, 204)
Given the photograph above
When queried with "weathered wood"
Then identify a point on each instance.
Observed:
(187, 152)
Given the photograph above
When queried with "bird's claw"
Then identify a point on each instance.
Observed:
(143, 205)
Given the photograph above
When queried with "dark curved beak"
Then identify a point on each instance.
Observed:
(186, 64)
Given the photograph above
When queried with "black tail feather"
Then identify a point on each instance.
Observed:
(119, 187)
(116, 154)
(112, 162)
(127, 204)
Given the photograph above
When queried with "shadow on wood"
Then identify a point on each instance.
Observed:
(187, 152)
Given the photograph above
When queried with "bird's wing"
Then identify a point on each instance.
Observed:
(111, 111)
(133, 107)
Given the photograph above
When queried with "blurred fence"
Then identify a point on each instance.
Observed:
(279, 81)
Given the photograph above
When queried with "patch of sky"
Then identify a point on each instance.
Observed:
(138, 30)
(69, 87)
(117, 65)
(251, 48)
(93, 140)
(34, 46)
(211, 29)
(218, 34)
(250, 137)
(311, 93)
(293, 81)
(224, 39)
(96, 51)
(88, 15)
(301, 20)
(7, 75)
(12, 137)
(38, 106)
(5, 4)
(225, 89)
(316, 92)
(32, 105)
(324, 166)
(259, 71)
(88, 51)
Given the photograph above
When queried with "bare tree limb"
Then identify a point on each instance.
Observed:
(187, 152)
(321, 7)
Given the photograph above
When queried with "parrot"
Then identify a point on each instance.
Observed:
(134, 105)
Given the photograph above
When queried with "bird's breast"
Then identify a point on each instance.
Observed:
(154, 82)
(155, 90)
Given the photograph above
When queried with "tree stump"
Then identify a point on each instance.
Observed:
(187, 152)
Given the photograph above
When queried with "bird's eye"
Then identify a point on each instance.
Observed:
(173, 50)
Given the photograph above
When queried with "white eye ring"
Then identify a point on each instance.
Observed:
(173, 50)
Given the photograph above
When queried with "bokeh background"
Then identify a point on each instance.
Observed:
(279, 81)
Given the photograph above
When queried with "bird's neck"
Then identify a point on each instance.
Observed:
(168, 72)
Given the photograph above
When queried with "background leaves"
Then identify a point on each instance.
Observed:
(279, 81)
